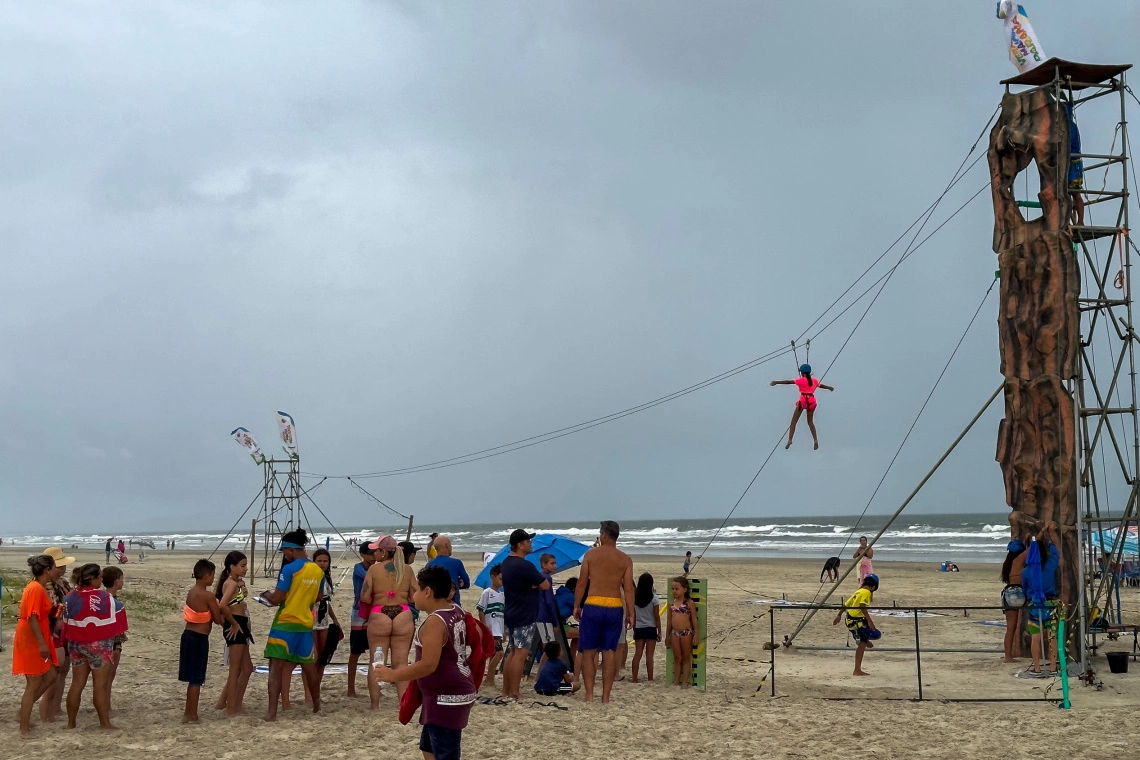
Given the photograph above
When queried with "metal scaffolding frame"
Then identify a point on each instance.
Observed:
(1105, 395)
(281, 510)
(1108, 425)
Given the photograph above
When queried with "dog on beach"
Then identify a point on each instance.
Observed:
(830, 569)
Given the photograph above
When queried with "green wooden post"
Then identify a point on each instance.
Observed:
(698, 589)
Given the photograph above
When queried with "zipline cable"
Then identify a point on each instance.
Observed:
(923, 218)
(571, 429)
(958, 174)
(913, 425)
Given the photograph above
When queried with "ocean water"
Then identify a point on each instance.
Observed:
(933, 538)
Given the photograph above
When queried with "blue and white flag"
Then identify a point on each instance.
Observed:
(288, 434)
(246, 439)
(1025, 51)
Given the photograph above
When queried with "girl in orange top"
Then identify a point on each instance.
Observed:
(33, 656)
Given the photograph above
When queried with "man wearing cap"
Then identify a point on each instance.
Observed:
(410, 550)
(454, 567)
(358, 635)
(608, 574)
(522, 585)
(290, 639)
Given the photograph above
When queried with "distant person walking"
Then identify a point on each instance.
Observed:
(453, 566)
(108, 550)
(864, 554)
(607, 573)
(687, 563)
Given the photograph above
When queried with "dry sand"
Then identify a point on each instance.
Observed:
(648, 720)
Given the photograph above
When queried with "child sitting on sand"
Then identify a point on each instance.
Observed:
(859, 621)
(200, 613)
(682, 631)
(554, 677)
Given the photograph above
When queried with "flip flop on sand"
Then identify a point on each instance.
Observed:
(555, 705)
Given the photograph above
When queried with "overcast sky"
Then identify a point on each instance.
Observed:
(426, 229)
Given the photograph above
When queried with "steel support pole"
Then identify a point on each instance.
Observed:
(918, 655)
(772, 645)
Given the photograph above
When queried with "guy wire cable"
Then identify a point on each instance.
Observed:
(552, 435)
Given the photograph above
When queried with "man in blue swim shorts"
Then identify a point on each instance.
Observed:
(608, 610)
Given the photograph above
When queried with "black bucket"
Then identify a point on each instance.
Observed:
(1117, 662)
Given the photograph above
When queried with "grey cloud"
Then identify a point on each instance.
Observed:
(424, 229)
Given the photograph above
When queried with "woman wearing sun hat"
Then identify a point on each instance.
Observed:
(57, 588)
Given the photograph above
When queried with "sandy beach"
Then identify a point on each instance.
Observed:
(820, 707)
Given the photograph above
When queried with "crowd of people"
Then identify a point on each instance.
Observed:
(411, 625)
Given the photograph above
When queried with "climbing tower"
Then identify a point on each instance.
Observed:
(1068, 444)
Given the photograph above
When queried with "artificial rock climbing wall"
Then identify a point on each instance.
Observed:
(1038, 325)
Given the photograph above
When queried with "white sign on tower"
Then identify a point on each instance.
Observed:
(288, 434)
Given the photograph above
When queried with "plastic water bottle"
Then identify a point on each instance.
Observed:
(378, 658)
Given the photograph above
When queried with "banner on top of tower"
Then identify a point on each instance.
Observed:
(246, 439)
(288, 434)
(1025, 51)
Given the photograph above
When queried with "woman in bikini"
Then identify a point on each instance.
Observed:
(384, 599)
(682, 631)
(231, 594)
(807, 386)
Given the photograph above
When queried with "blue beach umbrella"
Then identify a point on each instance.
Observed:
(567, 553)
(1108, 537)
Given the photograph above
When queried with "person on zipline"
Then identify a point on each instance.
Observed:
(807, 386)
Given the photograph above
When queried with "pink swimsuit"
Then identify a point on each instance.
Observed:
(807, 393)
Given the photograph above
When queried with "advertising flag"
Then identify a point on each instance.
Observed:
(246, 439)
(1025, 51)
(288, 434)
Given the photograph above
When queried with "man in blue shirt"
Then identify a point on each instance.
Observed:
(453, 566)
(358, 636)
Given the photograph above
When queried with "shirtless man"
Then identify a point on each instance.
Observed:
(606, 572)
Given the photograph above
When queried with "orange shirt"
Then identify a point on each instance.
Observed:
(26, 659)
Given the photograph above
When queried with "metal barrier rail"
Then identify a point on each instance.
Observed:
(917, 650)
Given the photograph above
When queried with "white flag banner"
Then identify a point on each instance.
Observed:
(288, 434)
(1025, 51)
(246, 439)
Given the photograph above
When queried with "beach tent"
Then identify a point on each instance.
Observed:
(1107, 539)
(567, 552)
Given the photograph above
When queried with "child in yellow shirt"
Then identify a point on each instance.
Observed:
(859, 621)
